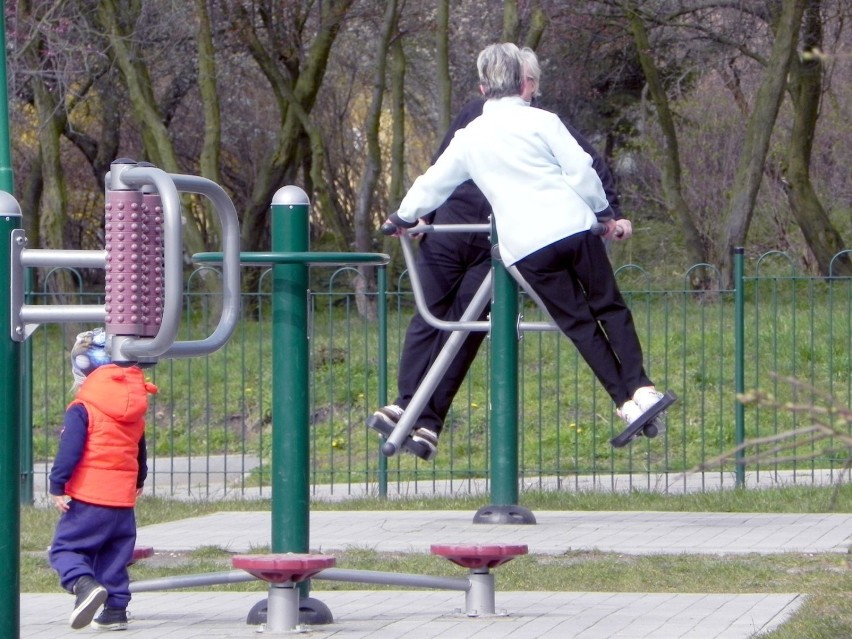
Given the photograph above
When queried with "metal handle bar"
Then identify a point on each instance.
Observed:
(389, 228)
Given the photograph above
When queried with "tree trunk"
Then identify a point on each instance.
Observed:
(442, 64)
(54, 192)
(155, 135)
(511, 21)
(671, 169)
(210, 159)
(364, 230)
(397, 159)
(538, 25)
(759, 131)
(806, 89)
(287, 135)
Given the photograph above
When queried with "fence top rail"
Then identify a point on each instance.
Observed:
(298, 257)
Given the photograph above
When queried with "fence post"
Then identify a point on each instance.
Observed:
(290, 407)
(10, 395)
(382, 303)
(739, 365)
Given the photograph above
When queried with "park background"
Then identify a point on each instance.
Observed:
(726, 125)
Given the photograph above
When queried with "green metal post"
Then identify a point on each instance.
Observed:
(290, 372)
(7, 184)
(10, 383)
(10, 394)
(6, 176)
(739, 364)
(504, 403)
(382, 300)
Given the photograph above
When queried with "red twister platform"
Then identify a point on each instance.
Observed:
(479, 557)
(283, 568)
(141, 552)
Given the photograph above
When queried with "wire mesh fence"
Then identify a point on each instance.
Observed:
(209, 427)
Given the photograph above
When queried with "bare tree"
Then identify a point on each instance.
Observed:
(292, 50)
(373, 163)
(211, 151)
(759, 129)
(442, 65)
(805, 86)
(671, 169)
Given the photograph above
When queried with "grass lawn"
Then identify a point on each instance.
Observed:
(826, 579)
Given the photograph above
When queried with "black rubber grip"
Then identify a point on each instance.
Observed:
(388, 228)
(599, 228)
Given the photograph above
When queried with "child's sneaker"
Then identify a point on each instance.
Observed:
(111, 619)
(90, 596)
(429, 440)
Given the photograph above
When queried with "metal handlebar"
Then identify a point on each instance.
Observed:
(168, 186)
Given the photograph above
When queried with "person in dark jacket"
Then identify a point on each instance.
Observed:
(451, 267)
(98, 472)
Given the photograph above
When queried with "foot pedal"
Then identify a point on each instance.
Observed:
(384, 429)
(644, 422)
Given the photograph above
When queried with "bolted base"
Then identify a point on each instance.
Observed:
(504, 515)
(312, 612)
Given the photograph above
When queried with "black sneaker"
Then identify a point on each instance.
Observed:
(428, 440)
(111, 619)
(90, 596)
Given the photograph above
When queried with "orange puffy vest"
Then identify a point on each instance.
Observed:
(116, 400)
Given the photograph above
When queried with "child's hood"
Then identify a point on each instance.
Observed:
(121, 393)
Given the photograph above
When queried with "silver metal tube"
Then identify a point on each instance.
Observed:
(62, 314)
(420, 301)
(192, 581)
(479, 600)
(449, 228)
(466, 325)
(394, 579)
(439, 366)
(230, 266)
(49, 257)
(329, 574)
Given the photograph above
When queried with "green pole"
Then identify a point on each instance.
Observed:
(10, 384)
(739, 365)
(383, 368)
(10, 394)
(504, 402)
(7, 183)
(290, 444)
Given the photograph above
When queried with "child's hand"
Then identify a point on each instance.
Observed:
(138, 492)
(60, 502)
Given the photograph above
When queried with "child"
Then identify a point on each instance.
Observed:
(101, 466)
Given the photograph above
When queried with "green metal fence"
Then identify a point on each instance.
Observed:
(209, 428)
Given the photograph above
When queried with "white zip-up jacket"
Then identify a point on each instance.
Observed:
(539, 181)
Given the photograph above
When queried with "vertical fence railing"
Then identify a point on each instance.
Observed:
(739, 358)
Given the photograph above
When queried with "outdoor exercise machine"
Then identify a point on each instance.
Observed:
(143, 261)
(290, 566)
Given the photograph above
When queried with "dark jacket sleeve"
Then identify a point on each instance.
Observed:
(72, 441)
(469, 112)
(142, 458)
(602, 169)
